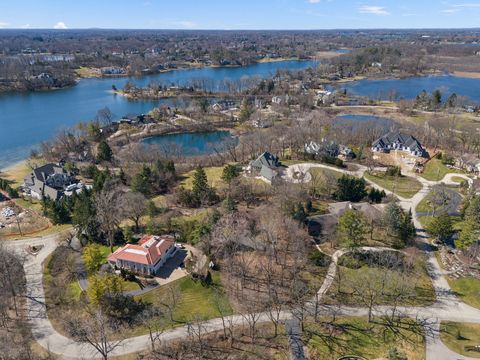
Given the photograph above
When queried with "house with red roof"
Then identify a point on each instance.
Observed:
(146, 257)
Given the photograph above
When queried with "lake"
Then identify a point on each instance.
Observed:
(191, 144)
(362, 120)
(409, 88)
(26, 119)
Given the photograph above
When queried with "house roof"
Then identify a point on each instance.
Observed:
(399, 138)
(42, 172)
(266, 159)
(148, 251)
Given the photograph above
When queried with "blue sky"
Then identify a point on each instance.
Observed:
(239, 14)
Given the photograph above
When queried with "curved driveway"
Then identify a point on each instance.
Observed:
(446, 307)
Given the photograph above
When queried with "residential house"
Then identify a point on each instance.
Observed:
(346, 153)
(281, 100)
(468, 162)
(266, 166)
(146, 257)
(49, 180)
(322, 148)
(324, 226)
(398, 141)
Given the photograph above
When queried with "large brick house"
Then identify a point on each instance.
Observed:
(146, 257)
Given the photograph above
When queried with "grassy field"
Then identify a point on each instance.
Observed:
(435, 170)
(468, 289)
(403, 186)
(342, 292)
(195, 301)
(355, 336)
(213, 175)
(458, 179)
(17, 172)
(457, 336)
(319, 171)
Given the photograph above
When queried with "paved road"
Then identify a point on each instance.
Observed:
(446, 307)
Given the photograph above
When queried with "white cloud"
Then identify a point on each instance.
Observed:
(467, 6)
(449, 11)
(26, 26)
(60, 25)
(375, 10)
(3, 24)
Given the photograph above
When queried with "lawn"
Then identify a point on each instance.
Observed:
(17, 172)
(356, 336)
(214, 175)
(468, 289)
(320, 171)
(403, 186)
(458, 179)
(436, 171)
(457, 336)
(195, 300)
(342, 290)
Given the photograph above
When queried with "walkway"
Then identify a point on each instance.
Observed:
(447, 306)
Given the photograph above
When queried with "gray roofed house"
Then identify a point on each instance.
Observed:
(48, 180)
(398, 141)
(265, 166)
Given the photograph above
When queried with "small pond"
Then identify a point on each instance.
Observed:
(362, 120)
(193, 144)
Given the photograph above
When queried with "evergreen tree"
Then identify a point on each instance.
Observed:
(352, 227)
(349, 188)
(104, 152)
(230, 172)
(441, 226)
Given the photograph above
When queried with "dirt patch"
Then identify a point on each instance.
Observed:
(15, 220)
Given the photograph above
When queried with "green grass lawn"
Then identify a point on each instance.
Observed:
(342, 292)
(214, 175)
(468, 289)
(458, 179)
(319, 171)
(435, 170)
(457, 336)
(356, 336)
(403, 186)
(195, 301)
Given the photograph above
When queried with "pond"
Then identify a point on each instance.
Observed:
(363, 120)
(192, 144)
(409, 88)
(26, 119)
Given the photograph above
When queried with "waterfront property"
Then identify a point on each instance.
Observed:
(50, 181)
(146, 257)
(400, 142)
(266, 166)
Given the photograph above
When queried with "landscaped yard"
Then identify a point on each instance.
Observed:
(214, 175)
(436, 171)
(468, 289)
(356, 336)
(194, 299)
(459, 336)
(458, 179)
(319, 171)
(403, 186)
